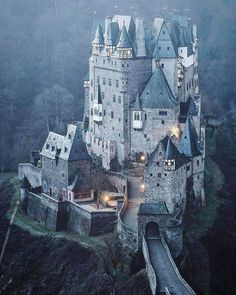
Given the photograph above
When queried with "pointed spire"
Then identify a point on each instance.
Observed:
(124, 41)
(137, 106)
(98, 39)
(188, 142)
(170, 150)
(99, 95)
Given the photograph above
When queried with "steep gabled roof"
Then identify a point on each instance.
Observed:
(137, 106)
(189, 140)
(70, 147)
(168, 152)
(157, 93)
(124, 41)
(164, 47)
(113, 34)
(188, 108)
(98, 39)
(160, 148)
(76, 184)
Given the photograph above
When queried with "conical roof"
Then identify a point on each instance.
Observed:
(112, 35)
(137, 106)
(124, 41)
(189, 140)
(98, 39)
(157, 93)
(170, 150)
(159, 151)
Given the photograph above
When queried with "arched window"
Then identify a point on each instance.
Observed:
(136, 116)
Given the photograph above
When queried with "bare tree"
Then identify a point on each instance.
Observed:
(112, 260)
(98, 181)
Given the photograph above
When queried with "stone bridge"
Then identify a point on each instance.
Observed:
(163, 275)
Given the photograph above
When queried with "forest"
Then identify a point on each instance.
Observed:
(44, 50)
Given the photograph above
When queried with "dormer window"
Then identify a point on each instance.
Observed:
(47, 146)
(65, 149)
(69, 136)
(53, 148)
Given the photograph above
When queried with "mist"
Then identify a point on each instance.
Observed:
(44, 50)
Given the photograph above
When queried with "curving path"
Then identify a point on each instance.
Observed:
(130, 217)
(164, 269)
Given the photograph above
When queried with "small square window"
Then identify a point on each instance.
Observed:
(151, 174)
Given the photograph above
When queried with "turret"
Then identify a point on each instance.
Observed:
(124, 46)
(98, 107)
(98, 41)
(137, 114)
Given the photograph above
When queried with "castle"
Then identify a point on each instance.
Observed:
(142, 110)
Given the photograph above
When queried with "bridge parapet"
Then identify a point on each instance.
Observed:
(150, 271)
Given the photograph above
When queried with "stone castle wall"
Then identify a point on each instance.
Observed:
(56, 216)
(32, 173)
(155, 128)
(167, 186)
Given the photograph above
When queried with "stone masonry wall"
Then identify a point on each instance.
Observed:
(167, 186)
(32, 173)
(155, 128)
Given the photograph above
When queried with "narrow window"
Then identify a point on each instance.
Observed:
(109, 82)
(114, 98)
(162, 65)
(162, 122)
(119, 99)
(112, 114)
(117, 83)
(104, 81)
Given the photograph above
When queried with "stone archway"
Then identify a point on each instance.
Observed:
(152, 230)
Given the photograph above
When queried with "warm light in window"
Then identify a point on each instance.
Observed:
(142, 158)
(175, 131)
(142, 187)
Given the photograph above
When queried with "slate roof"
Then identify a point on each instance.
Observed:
(157, 93)
(129, 23)
(161, 49)
(76, 184)
(164, 47)
(161, 147)
(189, 140)
(187, 108)
(170, 151)
(158, 208)
(113, 34)
(124, 41)
(98, 39)
(70, 147)
(137, 106)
